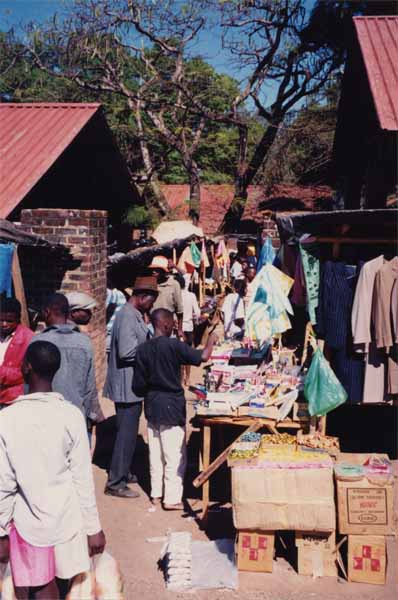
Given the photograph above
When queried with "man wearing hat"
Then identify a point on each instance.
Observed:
(81, 306)
(170, 295)
(128, 332)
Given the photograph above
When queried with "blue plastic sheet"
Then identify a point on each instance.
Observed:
(6, 255)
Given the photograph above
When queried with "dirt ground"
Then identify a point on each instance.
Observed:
(130, 524)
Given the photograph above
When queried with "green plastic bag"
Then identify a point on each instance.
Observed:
(322, 389)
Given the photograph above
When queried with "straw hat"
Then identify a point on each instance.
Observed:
(80, 301)
(146, 284)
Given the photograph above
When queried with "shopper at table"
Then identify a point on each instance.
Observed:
(157, 377)
(129, 330)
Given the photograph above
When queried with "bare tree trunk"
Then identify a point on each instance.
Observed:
(152, 191)
(246, 175)
(194, 187)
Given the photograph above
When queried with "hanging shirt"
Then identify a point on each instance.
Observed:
(336, 295)
(374, 388)
(311, 267)
(382, 309)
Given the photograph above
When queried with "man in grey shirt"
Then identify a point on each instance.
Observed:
(128, 332)
(75, 379)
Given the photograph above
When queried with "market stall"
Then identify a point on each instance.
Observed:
(288, 479)
(11, 238)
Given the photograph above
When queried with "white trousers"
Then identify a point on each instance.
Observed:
(168, 461)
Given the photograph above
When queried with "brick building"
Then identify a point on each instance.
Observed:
(63, 178)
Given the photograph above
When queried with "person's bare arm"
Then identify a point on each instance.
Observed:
(208, 349)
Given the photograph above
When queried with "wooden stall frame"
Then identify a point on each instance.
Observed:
(19, 288)
(207, 468)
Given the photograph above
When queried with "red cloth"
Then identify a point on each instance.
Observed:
(11, 379)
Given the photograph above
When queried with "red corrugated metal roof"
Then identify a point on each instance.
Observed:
(32, 137)
(378, 40)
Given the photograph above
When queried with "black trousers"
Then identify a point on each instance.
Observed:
(127, 424)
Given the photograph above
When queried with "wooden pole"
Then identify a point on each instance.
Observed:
(19, 288)
(204, 475)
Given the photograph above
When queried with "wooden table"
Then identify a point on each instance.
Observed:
(206, 469)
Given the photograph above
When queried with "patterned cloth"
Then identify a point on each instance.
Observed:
(267, 313)
(311, 275)
(336, 296)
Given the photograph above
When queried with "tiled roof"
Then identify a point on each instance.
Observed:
(378, 40)
(215, 200)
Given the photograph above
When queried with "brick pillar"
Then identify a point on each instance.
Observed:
(84, 234)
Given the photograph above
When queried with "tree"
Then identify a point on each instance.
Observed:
(134, 49)
(265, 38)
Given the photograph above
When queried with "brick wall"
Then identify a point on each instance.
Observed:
(270, 229)
(81, 267)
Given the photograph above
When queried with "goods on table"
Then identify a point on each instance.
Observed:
(365, 496)
(320, 442)
(278, 438)
(285, 492)
(367, 559)
(316, 554)
(245, 450)
(255, 551)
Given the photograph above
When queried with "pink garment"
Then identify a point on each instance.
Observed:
(31, 566)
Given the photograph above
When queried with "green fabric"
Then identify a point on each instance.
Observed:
(196, 255)
(322, 389)
(311, 274)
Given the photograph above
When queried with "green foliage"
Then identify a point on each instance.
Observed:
(138, 217)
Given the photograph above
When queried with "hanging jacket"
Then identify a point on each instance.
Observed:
(11, 379)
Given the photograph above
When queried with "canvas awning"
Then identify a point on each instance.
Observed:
(169, 231)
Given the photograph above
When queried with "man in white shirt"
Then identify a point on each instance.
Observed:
(236, 269)
(233, 311)
(191, 315)
(48, 514)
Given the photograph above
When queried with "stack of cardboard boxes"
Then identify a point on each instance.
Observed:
(365, 515)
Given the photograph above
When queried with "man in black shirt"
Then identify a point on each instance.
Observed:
(157, 377)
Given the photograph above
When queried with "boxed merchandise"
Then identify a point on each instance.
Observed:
(284, 494)
(365, 497)
(367, 559)
(255, 551)
(315, 554)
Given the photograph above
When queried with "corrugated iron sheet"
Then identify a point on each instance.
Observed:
(32, 137)
(378, 40)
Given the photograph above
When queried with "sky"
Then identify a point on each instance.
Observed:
(14, 12)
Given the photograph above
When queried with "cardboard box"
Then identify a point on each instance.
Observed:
(255, 551)
(283, 499)
(315, 554)
(309, 539)
(367, 559)
(364, 508)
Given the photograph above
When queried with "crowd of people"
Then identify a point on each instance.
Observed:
(49, 404)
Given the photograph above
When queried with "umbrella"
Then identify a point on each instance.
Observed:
(176, 230)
